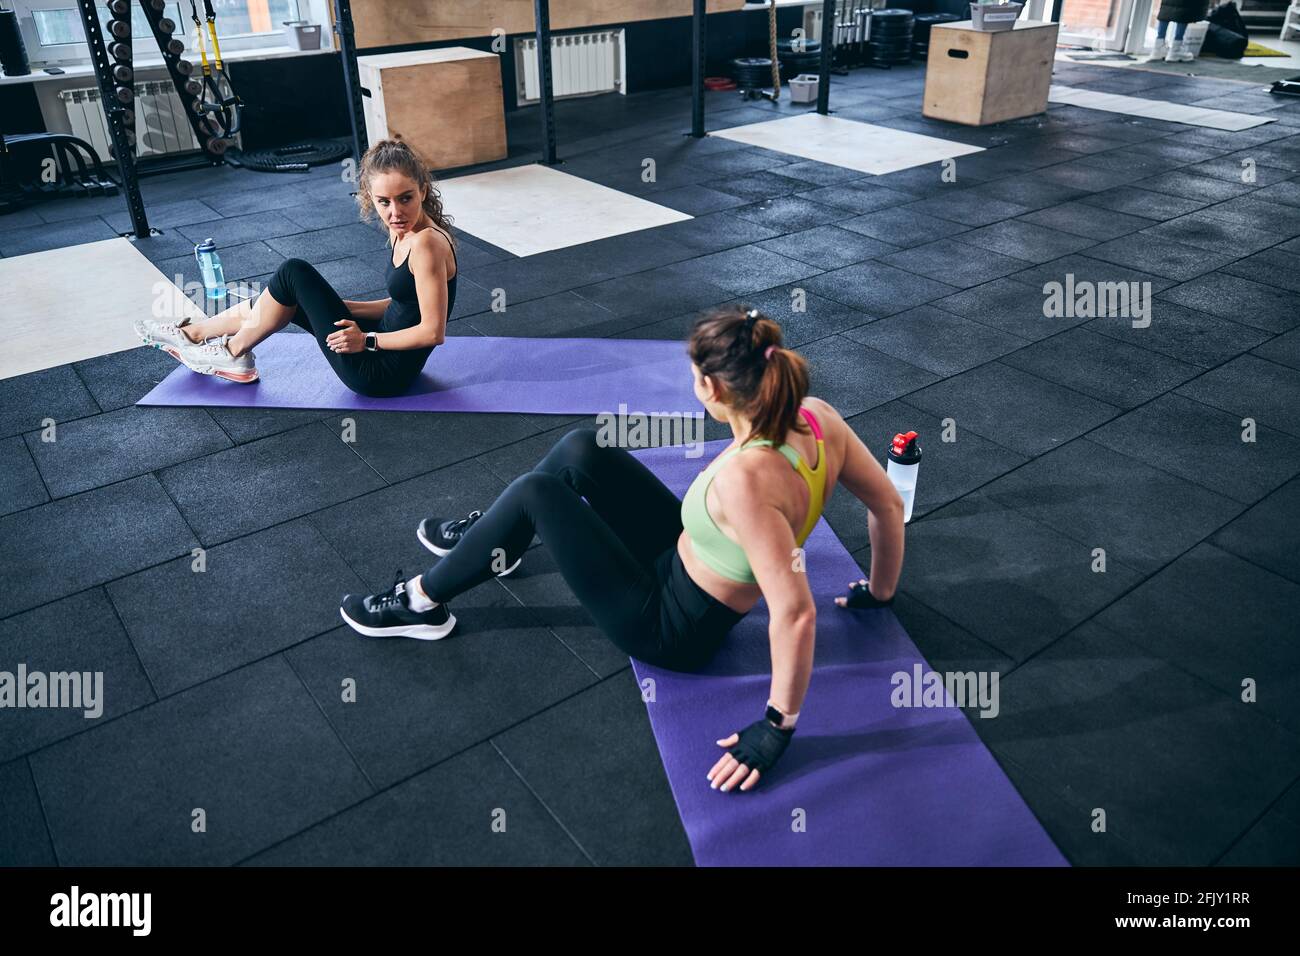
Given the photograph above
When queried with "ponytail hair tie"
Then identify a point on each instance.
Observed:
(767, 354)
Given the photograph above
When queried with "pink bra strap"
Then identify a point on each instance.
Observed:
(812, 423)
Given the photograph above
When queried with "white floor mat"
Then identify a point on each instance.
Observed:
(532, 209)
(78, 302)
(848, 143)
(1155, 109)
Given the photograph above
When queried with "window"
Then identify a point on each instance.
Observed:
(53, 32)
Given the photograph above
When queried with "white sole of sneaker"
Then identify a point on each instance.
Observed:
(443, 552)
(421, 632)
(243, 378)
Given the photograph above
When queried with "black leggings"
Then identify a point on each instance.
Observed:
(379, 374)
(617, 551)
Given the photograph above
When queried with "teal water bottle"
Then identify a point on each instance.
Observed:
(214, 277)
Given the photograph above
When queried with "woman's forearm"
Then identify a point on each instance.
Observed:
(367, 310)
(886, 530)
(792, 638)
(416, 337)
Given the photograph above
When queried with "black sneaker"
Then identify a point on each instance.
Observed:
(440, 536)
(389, 615)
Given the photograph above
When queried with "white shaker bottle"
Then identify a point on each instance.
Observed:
(904, 462)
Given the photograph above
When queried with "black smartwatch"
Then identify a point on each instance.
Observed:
(778, 719)
(372, 342)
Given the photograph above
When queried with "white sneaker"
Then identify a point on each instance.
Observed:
(1158, 51)
(212, 357)
(1180, 51)
(167, 336)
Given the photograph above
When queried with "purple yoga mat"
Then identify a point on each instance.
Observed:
(466, 374)
(879, 785)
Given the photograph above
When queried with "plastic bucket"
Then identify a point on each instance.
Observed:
(302, 35)
(995, 17)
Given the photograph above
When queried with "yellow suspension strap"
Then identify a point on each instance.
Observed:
(221, 105)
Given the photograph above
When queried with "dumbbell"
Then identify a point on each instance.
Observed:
(122, 73)
(184, 67)
(119, 8)
(124, 94)
(158, 5)
(175, 47)
(193, 87)
(120, 29)
(166, 26)
(120, 51)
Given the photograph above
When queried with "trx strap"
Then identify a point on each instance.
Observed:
(220, 104)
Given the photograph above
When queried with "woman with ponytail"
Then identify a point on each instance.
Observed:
(666, 579)
(376, 348)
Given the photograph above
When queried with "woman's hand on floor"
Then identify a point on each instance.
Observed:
(860, 596)
(751, 752)
(347, 339)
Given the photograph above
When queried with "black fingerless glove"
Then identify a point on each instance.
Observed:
(860, 596)
(761, 745)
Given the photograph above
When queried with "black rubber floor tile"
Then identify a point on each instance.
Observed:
(622, 255)
(123, 378)
(698, 200)
(250, 749)
(1010, 581)
(563, 314)
(77, 635)
(190, 625)
(854, 378)
(442, 817)
(1103, 499)
(170, 215)
(1203, 445)
(877, 289)
(1185, 614)
(278, 478)
(1252, 387)
(249, 424)
(354, 277)
(944, 645)
(1145, 202)
(858, 197)
(962, 465)
(1191, 186)
(791, 214)
(1272, 267)
(1287, 193)
(400, 445)
(1091, 222)
(716, 231)
(1073, 270)
(759, 185)
(935, 340)
(1184, 334)
(967, 208)
(1104, 368)
(1024, 240)
(929, 180)
(1089, 178)
(1285, 349)
(26, 401)
(420, 702)
(375, 533)
(321, 214)
(20, 219)
(1233, 171)
(1239, 299)
(1017, 410)
(540, 587)
(169, 245)
(1269, 533)
(66, 546)
(828, 247)
(20, 483)
(74, 232)
(820, 174)
(804, 316)
(1274, 840)
(903, 226)
(1252, 213)
(1008, 305)
(954, 262)
(1162, 256)
(24, 841)
(1029, 190)
(1214, 235)
(594, 763)
(335, 242)
(99, 450)
(1178, 767)
(663, 290)
(744, 270)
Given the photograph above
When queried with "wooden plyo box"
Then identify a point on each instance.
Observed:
(445, 103)
(978, 77)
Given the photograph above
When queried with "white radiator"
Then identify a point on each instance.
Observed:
(160, 123)
(581, 64)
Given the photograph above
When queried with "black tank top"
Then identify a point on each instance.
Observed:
(404, 311)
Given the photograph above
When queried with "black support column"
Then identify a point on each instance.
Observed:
(698, 56)
(124, 151)
(542, 17)
(351, 76)
(828, 53)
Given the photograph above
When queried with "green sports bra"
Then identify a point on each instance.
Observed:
(707, 540)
